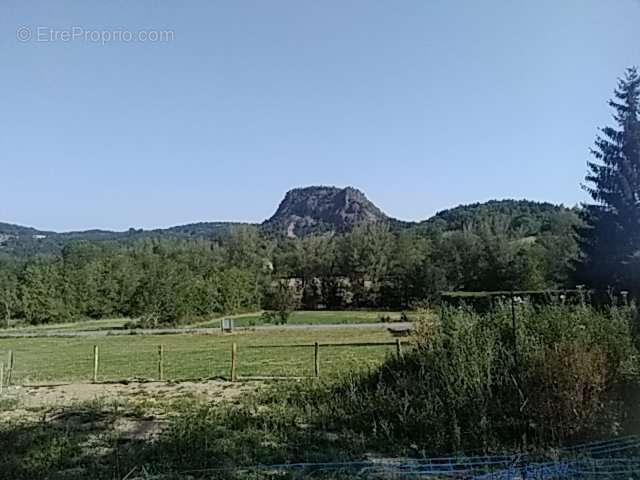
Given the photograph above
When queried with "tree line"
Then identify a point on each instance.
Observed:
(170, 280)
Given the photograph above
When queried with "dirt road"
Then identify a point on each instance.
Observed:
(396, 326)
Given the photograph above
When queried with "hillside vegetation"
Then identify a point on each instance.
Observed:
(516, 218)
(194, 272)
(21, 242)
(305, 212)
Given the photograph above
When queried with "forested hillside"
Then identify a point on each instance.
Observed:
(516, 218)
(18, 241)
(203, 269)
(315, 211)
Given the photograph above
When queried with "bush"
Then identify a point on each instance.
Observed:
(280, 301)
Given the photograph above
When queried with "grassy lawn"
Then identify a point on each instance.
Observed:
(51, 360)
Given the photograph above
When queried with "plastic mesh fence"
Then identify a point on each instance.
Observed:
(613, 459)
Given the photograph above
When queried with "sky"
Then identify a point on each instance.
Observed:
(118, 114)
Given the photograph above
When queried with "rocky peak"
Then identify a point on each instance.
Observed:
(320, 209)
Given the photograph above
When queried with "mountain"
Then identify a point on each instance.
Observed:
(303, 211)
(321, 210)
(20, 240)
(16, 240)
(10, 230)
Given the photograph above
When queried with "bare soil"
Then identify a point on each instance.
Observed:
(33, 401)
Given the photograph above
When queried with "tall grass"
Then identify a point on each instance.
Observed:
(471, 385)
(468, 385)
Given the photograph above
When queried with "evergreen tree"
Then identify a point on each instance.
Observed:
(610, 240)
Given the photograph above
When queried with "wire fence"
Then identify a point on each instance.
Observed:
(109, 362)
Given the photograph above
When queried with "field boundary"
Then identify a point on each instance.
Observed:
(100, 364)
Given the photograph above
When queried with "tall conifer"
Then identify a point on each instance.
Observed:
(610, 239)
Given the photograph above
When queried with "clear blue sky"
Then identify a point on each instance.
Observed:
(421, 104)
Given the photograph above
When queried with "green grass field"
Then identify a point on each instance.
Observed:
(187, 356)
(315, 318)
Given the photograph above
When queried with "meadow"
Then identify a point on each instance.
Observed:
(314, 317)
(47, 360)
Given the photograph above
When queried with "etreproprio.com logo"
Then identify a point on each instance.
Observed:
(45, 34)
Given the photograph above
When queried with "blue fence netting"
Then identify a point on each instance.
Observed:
(609, 459)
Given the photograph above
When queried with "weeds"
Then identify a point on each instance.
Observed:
(471, 385)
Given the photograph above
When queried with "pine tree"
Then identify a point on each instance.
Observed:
(610, 240)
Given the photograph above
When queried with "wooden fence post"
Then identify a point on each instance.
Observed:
(161, 362)
(10, 364)
(316, 352)
(234, 362)
(95, 364)
(398, 348)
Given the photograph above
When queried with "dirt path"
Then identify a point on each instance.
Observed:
(43, 397)
(101, 416)
(396, 326)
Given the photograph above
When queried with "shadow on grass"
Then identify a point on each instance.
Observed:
(290, 423)
(71, 444)
(200, 441)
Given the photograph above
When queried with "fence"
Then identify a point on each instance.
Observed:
(168, 362)
(616, 459)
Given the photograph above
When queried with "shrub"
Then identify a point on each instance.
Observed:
(281, 300)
